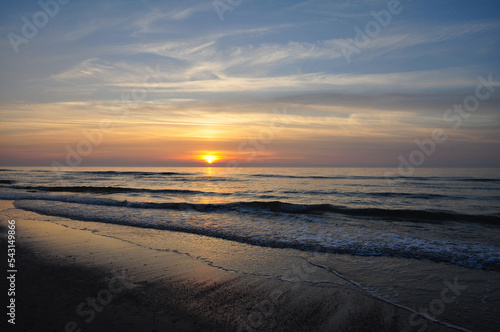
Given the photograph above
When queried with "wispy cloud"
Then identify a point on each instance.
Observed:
(87, 28)
(219, 81)
(90, 68)
(151, 22)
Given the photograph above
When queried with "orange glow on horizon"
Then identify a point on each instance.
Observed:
(209, 158)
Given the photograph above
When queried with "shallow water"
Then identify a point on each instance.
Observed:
(415, 285)
(442, 215)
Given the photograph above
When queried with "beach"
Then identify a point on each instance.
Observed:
(250, 166)
(189, 249)
(60, 267)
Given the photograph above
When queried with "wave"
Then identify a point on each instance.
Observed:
(368, 194)
(106, 172)
(116, 190)
(414, 195)
(136, 173)
(6, 182)
(481, 180)
(282, 233)
(208, 179)
(410, 215)
(361, 177)
(313, 176)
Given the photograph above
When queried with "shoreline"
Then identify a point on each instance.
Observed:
(51, 287)
(61, 267)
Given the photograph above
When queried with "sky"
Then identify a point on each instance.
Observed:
(252, 83)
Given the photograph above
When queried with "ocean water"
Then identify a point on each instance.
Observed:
(441, 215)
(402, 240)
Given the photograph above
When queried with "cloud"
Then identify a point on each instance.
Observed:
(89, 27)
(388, 42)
(151, 22)
(211, 52)
(90, 68)
(221, 80)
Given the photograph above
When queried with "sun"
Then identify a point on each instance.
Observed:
(209, 158)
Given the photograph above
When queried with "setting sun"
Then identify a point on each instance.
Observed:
(209, 158)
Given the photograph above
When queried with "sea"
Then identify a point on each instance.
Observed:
(367, 223)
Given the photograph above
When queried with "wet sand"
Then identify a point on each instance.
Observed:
(70, 279)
